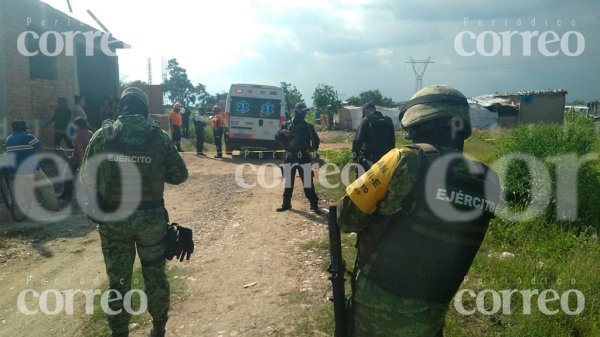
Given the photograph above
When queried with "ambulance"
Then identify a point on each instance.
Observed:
(253, 115)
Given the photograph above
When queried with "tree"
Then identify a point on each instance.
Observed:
(178, 86)
(137, 84)
(325, 98)
(211, 100)
(354, 101)
(291, 94)
(375, 97)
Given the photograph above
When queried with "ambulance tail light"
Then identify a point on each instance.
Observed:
(227, 119)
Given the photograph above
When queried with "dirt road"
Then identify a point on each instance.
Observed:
(249, 269)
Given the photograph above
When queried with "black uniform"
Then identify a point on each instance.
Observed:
(375, 137)
(199, 125)
(302, 141)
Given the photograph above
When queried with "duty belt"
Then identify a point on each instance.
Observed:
(127, 204)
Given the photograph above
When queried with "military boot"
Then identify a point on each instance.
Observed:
(158, 330)
(284, 207)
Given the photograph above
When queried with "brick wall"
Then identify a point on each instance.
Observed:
(155, 98)
(34, 100)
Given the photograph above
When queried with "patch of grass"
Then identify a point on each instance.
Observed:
(401, 139)
(332, 195)
(97, 326)
(333, 137)
(317, 319)
(547, 257)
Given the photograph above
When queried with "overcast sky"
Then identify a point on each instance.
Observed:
(354, 45)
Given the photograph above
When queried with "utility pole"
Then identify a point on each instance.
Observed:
(164, 70)
(150, 71)
(419, 67)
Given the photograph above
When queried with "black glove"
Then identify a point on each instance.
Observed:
(185, 243)
(171, 245)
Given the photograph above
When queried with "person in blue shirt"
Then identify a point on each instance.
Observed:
(21, 146)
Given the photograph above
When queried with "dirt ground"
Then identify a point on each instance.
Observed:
(248, 270)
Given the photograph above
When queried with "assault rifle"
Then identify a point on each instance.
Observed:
(337, 269)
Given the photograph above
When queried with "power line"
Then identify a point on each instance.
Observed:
(419, 68)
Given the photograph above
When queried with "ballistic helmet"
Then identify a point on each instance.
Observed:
(436, 102)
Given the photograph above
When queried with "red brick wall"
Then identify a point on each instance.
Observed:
(35, 100)
(32, 100)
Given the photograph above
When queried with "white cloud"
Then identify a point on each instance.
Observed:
(354, 45)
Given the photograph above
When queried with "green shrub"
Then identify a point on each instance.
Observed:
(339, 158)
(544, 142)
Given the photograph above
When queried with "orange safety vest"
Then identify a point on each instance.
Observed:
(176, 119)
(217, 121)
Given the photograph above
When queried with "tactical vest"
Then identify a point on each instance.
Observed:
(419, 254)
(301, 136)
(148, 159)
(378, 130)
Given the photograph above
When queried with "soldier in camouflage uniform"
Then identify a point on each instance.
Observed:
(133, 140)
(417, 237)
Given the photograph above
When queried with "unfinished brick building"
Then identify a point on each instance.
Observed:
(30, 85)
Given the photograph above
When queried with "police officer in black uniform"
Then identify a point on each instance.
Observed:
(374, 138)
(299, 139)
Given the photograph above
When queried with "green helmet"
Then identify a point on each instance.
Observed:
(431, 103)
(135, 92)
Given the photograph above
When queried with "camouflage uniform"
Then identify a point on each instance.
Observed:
(376, 311)
(418, 233)
(143, 230)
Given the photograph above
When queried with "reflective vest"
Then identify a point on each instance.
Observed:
(147, 157)
(423, 254)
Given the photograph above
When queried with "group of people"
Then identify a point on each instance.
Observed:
(415, 243)
(179, 120)
(62, 118)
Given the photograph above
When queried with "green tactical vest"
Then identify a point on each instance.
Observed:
(419, 254)
(149, 160)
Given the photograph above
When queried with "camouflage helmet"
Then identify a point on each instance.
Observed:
(135, 92)
(431, 103)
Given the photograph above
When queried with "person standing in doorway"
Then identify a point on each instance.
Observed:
(78, 109)
(60, 119)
